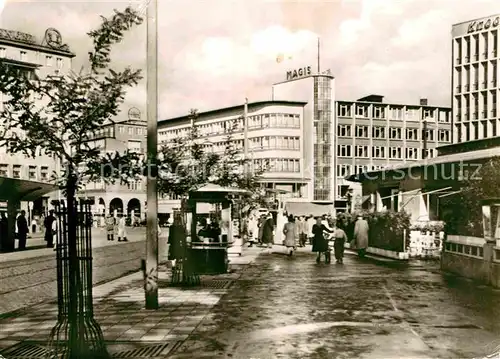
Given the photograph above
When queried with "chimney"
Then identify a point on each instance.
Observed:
(423, 102)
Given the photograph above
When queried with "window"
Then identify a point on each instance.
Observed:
(3, 52)
(361, 151)
(4, 170)
(428, 113)
(396, 113)
(48, 61)
(411, 114)
(16, 171)
(361, 110)
(24, 55)
(378, 152)
(411, 153)
(429, 135)
(130, 130)
(378, 132)
(121, 129)
(44, 173)
(362, 131)
(344, 150)
(32, 172)
(378, 112)
(344, 130)
(412, 134)
(395, 133)
(343, 170)
(361, 168)
(345, 110)
(395, 153)
(444, 136)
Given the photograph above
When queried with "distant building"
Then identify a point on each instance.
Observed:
(30, 56)
(475, 77)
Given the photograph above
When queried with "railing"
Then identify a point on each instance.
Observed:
(465, 246)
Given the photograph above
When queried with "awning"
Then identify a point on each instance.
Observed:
(308, 208)
(14, 188)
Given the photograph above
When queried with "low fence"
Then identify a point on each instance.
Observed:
(425, 244)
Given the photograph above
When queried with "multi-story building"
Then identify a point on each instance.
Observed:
(372, 135)
(32, 57)
(475, 79)
(128, 132)
(275, 135)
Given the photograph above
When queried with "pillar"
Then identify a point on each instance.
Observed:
(226, 224)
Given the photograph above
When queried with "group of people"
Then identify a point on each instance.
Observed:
(320, 231)
(116, 226)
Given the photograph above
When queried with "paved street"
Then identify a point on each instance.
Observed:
(280, 307)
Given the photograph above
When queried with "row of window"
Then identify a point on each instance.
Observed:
(275, 142)
(365, 151)
(23, 56)
(393, 113)
(395, 133)
(26, 172)
(270, 120)
(344, 170)
(278, 164)
(133, 130)
(487, 42)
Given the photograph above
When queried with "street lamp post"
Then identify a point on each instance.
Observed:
(151, 265)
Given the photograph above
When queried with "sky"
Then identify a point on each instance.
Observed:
(214, 53)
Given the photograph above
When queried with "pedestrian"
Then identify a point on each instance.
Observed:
(176, 240)
(291, 235)
(4, 232)
(122, 229)
(310, 223)
(49, 233)
(261, 222)
(361, 230)
(302, 231)
(320, 244)
(33, 225)
(110, 227)
(253, 230)
(268, 231)
(22, 230)
(340, 238)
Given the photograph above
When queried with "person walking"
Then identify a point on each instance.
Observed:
(361, 230)
(302, 230)
(268, 231)
(340, 238)
(110, 227)
(4, 232)
(320, 244)
(253, 230)
(49, 233)
(122, 229)
(176, 240)
(291, 235)
(310, 223)
(22, 230)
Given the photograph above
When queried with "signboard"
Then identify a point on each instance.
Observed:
(17, 36)
(492, 22)
(134, 114)
(298, 73)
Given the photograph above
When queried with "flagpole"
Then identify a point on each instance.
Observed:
(318, 56)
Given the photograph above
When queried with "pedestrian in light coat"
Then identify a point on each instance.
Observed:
(291, 235)
(122, 229)
(361, 230)
(302, 230)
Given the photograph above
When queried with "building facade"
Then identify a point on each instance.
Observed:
(274, 138)
(372, 135)
(32, 57)
(128, 132)
(475, 73)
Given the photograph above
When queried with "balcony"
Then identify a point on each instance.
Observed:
(459, 61)
(467, 88)
(494, 53)
(485, 54)
(467, 59)
(485, 114)
(494, 83)
(476, 115)
(459, 88)
(466, 116)
(476, 57)
(494, 112)
(475, 86)
(485, 84)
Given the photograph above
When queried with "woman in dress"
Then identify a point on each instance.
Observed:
(320, 244)
(291, 234)
(176, 240)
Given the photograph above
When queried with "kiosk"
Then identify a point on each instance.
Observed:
(209, 245)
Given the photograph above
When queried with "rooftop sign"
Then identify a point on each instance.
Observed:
(17, 36)
(483, 24)
(298, 73)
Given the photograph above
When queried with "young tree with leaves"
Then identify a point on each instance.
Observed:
(59, 115)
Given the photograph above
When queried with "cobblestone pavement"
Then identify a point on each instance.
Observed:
(294, 308)
(281, 307)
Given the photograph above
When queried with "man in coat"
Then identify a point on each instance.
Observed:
(49, 233)
(268, 231)
(361, 229)
(22, 230)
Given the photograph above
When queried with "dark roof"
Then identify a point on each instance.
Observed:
(23, 189)
(372, 98)
(468, 146)
(232, 108)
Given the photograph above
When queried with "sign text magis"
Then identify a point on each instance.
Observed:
(298, 73)
(483, 24)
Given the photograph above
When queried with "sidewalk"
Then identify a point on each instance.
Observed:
(119, 309)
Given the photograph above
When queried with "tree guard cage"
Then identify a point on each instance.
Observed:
(76, 334)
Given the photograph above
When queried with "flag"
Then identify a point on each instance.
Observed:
(282, 57)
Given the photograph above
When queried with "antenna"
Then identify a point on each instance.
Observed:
(318, 56)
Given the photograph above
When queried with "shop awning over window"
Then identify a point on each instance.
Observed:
(13, 188)
(307, 208)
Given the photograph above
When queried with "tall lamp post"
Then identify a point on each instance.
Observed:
(151, 265)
